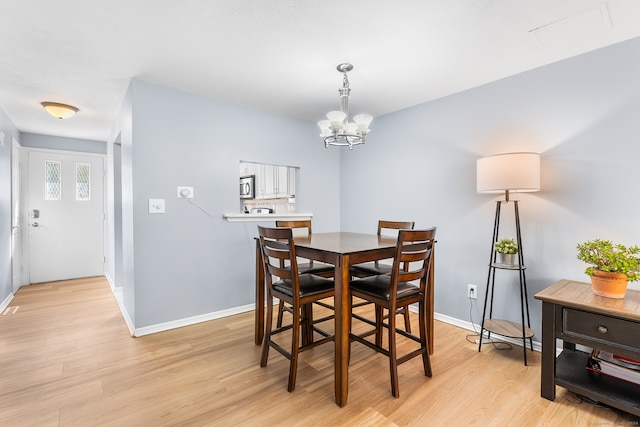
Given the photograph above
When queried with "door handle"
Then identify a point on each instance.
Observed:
(34, 224)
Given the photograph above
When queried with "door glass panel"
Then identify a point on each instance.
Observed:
(53, 180)
(83, 181)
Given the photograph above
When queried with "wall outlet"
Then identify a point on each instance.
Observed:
(472, 291)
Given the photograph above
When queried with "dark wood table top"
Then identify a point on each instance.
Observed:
(345, 242)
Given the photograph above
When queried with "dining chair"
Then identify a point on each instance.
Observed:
(298, 290)
(303, 228)
(412, 262)
(376, 267)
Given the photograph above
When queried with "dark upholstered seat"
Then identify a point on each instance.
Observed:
(303, 228)
(412, 263)
(284, 282)
(377, 267)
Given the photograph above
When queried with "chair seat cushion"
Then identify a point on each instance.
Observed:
(309, 285)
(370, 269)
(316, 268)
(378, 286)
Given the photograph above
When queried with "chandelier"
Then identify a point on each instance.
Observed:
(337, 130)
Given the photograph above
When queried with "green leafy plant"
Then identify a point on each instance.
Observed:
(506, 246)
(604, 255)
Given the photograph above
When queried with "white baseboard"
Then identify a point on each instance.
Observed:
(6, 302)
(160, 327)
(537, 346)
(138, 332)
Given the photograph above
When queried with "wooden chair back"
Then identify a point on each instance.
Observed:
(296, 226)
(300, 228)
(278, 253)
(394, 225)
(413, 253)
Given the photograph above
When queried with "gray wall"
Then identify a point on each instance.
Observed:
(419, 164)
(34, 140)
(581, 114)
(7, 127)
(188, 262)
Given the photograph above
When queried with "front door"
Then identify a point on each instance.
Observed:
(65, 216)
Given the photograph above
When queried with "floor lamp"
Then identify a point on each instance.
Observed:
(519, 172)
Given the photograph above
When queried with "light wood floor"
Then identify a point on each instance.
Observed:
(67, 359)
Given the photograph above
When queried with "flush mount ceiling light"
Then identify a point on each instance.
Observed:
(60, 111)
(337, 130)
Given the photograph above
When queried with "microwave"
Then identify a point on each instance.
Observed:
(247, 187)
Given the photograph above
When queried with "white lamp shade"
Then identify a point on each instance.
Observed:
(363, 120)
(324, 124)
(509, 171)
(337, 119)
(351, 128)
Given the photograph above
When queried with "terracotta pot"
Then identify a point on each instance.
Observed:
(610, 285)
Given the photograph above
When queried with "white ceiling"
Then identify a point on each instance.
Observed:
(280, 55)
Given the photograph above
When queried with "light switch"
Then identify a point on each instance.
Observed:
(156, 206)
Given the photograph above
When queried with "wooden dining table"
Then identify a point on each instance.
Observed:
(340, 249)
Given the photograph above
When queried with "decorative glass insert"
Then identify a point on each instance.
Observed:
(52, 180)
(83, 181)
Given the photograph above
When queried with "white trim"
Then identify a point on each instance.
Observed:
(117, 293)
(160, 327)
(6, 302)
(17, 278)
(537, 346)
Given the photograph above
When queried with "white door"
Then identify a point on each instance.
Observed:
(16, 218)
(66, 216)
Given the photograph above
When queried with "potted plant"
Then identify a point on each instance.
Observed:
(611, 266)
(507, 249)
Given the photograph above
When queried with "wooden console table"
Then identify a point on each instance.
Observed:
(573, 313)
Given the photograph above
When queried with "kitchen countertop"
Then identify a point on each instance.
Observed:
(241, 217)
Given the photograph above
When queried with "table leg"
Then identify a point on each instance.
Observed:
(342, 342)
(430, 300)
(547, 371)
(259, 312)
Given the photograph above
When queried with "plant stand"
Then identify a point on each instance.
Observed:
(507, 328)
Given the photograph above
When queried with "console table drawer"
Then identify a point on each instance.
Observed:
(597, 327)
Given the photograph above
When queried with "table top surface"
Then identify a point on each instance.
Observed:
(579, 295)
(345, 242)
